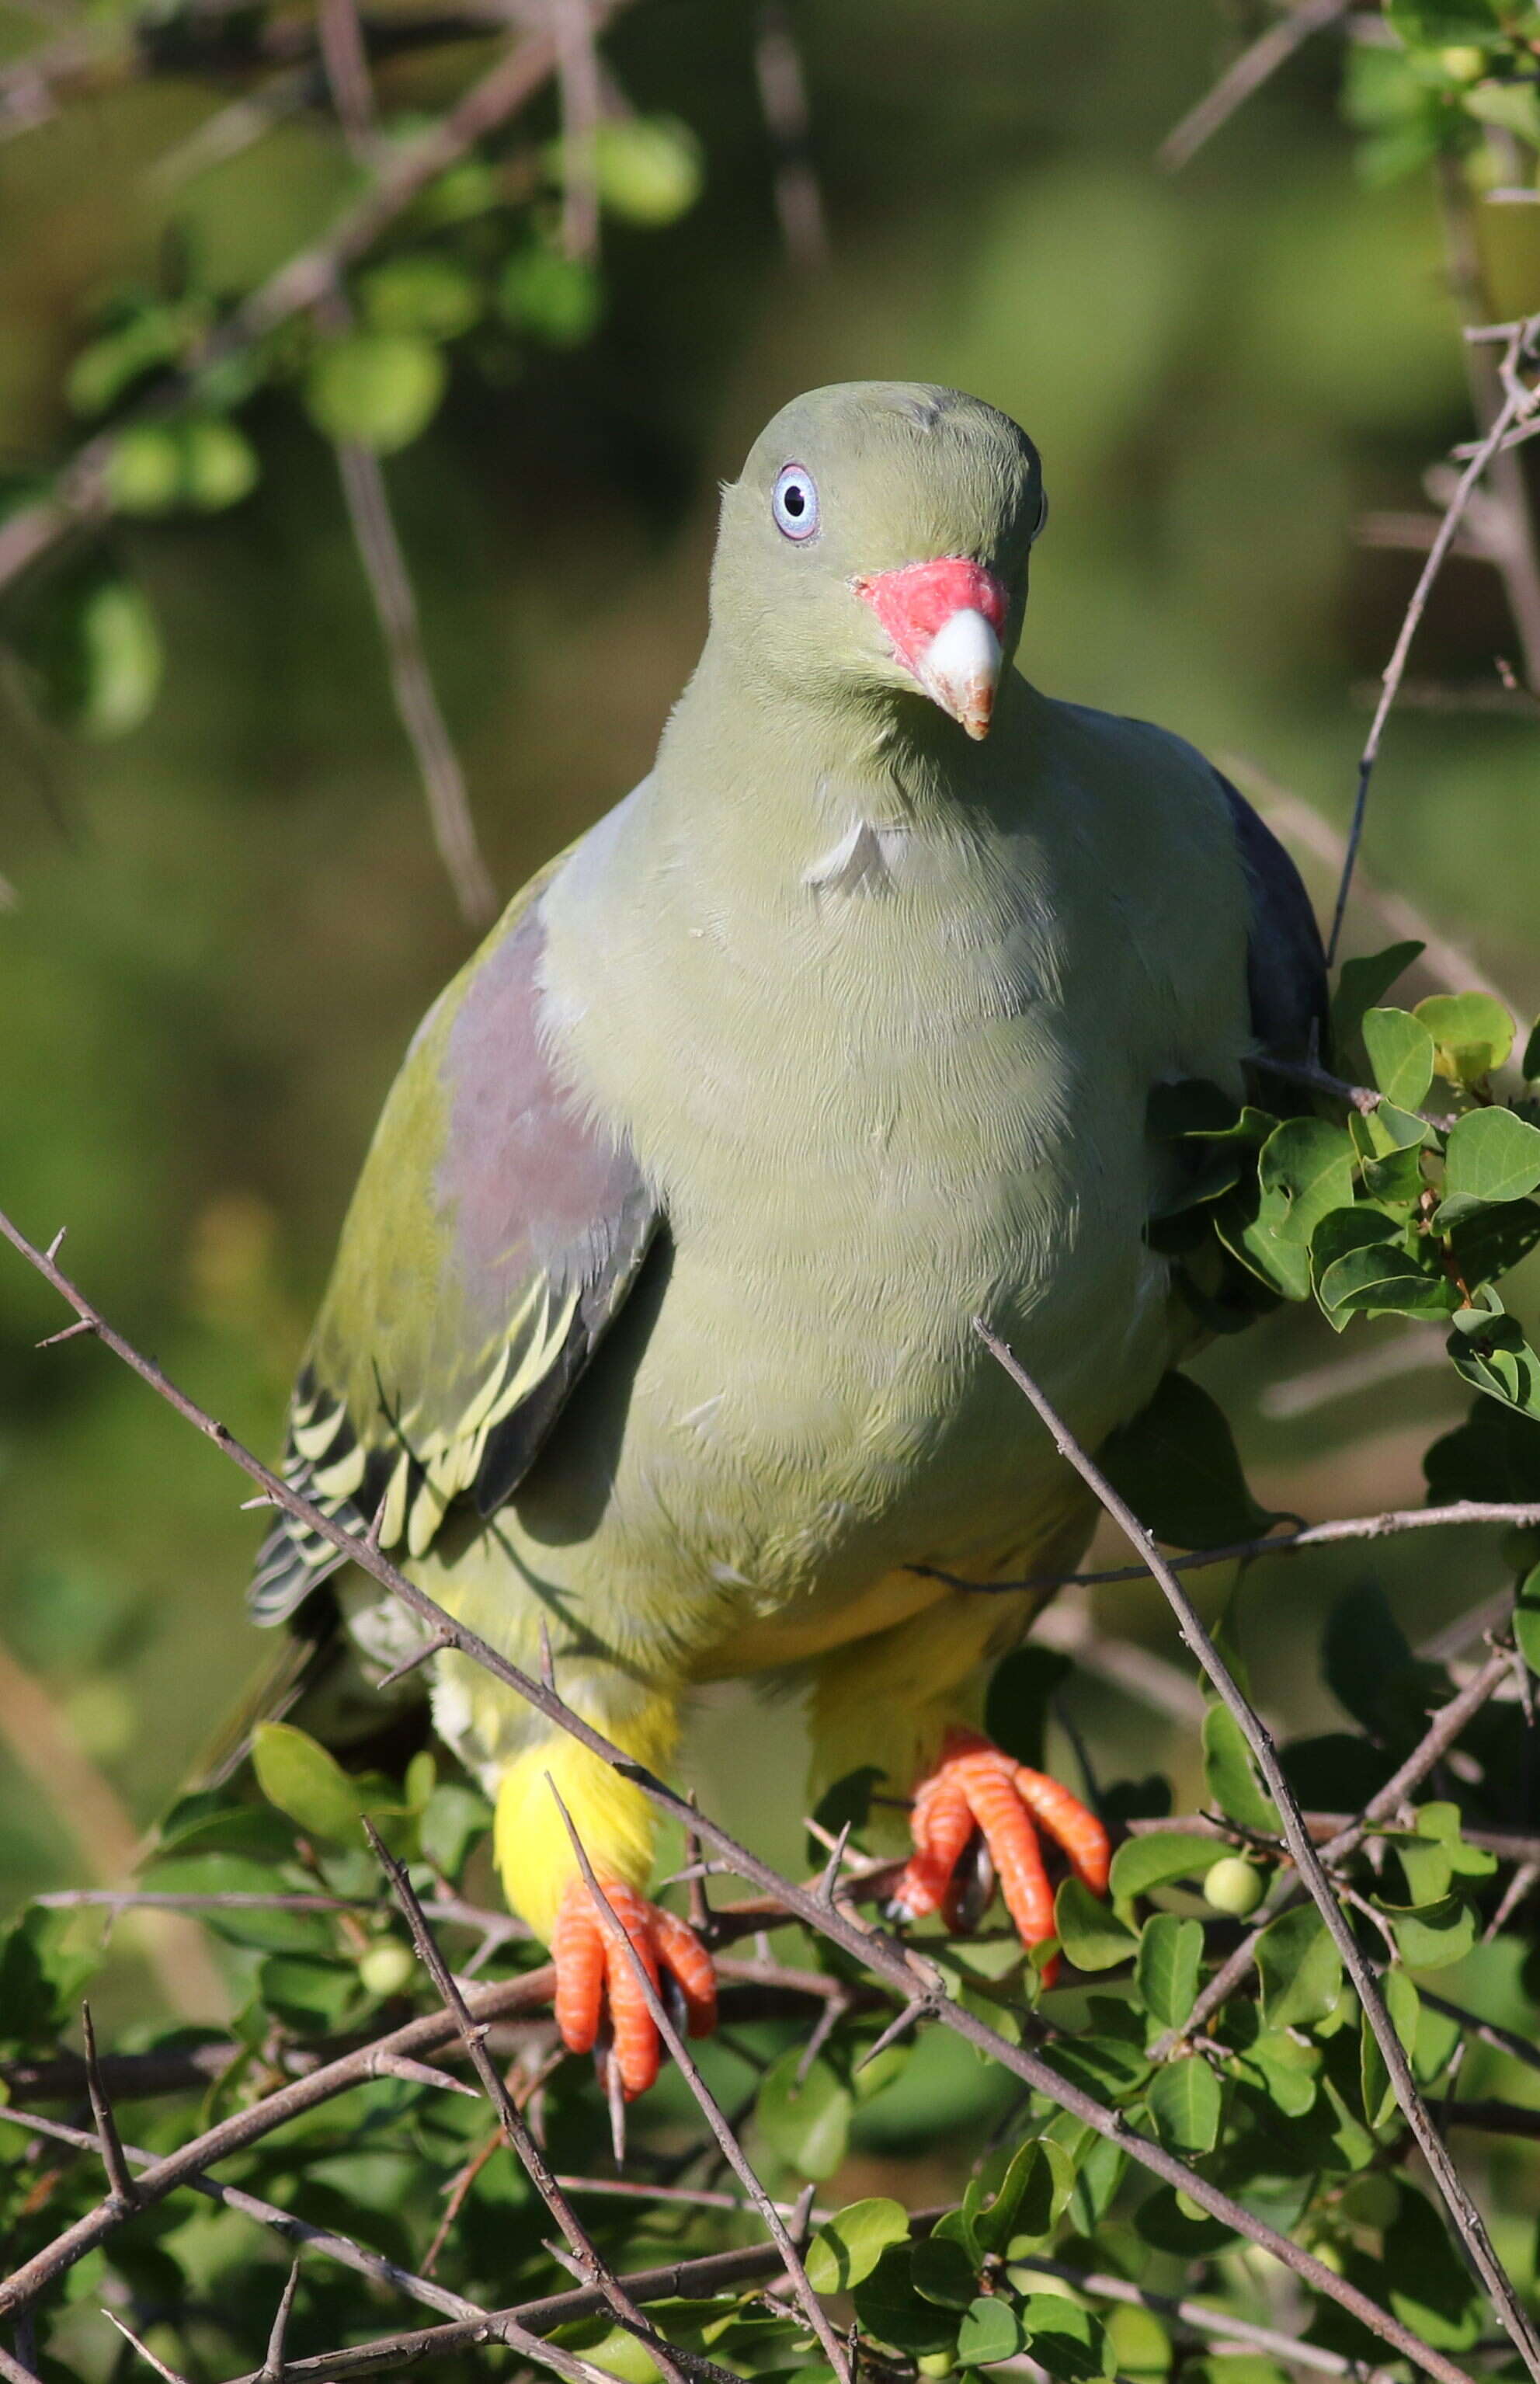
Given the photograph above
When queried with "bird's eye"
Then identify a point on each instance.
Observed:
(795, 502)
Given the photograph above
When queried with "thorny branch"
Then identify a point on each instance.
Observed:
(1467, 2219)
(895, 1964)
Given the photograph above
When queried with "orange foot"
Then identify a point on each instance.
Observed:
(591, 1968)
(976, 1786)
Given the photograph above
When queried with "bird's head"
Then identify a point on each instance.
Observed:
(877, 542)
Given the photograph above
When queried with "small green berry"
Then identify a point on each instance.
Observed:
(1234, 1886)
(387, 1968)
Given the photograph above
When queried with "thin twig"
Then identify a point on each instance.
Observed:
(1517, 402)
(1518, 1514)
(416, 702)
(732, 2151)
(788, 120)
(81, 492)
(1467, 2219)
(867, 1945)
(322, 2240)
(1256, 64)
(589, 2264)
(109, 2140)
(272, 2366)
(1444, 1728)
(168, 2375)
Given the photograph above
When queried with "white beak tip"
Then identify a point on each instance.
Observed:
(961, 669)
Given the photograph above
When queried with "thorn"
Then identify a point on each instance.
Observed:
(118, 2179)
(263, 1498)
(69, 1332)
(614, 2094)
(143, 2350)
(58, 1243)
(797, 2227)
(563, 2259)
(832, 1869)
(272, 2366)
(548, 1667)
(434, 1646)
(371, 1537)
(421, 2073)
(892, 2032)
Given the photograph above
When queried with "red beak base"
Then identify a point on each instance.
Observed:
(944, 620)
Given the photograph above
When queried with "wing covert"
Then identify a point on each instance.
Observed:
(1286, 960)
(494, 1233)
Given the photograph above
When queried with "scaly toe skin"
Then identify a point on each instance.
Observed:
(593, 1970)
(976, 1785)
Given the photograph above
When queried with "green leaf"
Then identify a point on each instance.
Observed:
(1486, 1245)
(1022, 1687)
(1050, 2183)
(1443, 24)
(1299, 1967)
(1493, 1454)
(380, 390)
(1531, 1061)
(1309, 1164)
(888, 2306)
(1400, 1050)
(1186, 2104)
(1428, 2285)
(1381, 1280)
(1492, 1354)
(1176, 1466)
(940, 2270)
(1170, 1960)
(1472, 1034)
(1065, 2338)
(807, 2121)
(1231, 1775)
(308, 1995)
(847, 2247)
(1526, 1619)
(1491, 1155)
(92, 652)
(453, 1819)
(1361, 983)
(1430, 1936)
(849, 1798)
(991, 2330)
(1090, 1933)
(1141, 2347)
(1156, 1858)
(297, 1775)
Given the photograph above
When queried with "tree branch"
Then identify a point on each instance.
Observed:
(877, 1952)
(1467, 2219)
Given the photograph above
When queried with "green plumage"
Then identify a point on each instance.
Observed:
(864, 1017)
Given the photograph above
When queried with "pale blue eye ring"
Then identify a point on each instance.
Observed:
(794, 501)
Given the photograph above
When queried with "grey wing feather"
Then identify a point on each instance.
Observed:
(496, 1234)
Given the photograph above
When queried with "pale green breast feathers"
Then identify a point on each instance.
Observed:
(494, 1233)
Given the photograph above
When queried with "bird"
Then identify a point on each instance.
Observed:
(649, 1340)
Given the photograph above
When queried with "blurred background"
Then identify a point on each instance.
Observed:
(222, 924)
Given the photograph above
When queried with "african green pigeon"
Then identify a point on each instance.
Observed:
(651, 1323)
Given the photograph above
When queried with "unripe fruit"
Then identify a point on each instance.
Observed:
(387, 1968)
(1234, 1886)
(1465, 62)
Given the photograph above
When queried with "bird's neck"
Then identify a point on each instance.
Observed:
(746, 750)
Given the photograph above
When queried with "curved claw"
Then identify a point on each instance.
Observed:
(975, 1785)
(593, 1969)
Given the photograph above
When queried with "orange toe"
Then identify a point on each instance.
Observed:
(976, 1785)
(594, 1972)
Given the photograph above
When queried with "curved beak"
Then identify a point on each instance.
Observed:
(944, 620)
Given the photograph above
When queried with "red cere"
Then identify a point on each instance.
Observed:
(914, 602)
